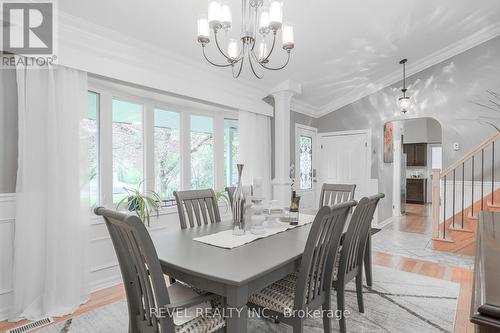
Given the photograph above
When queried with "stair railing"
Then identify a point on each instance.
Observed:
(441, 194)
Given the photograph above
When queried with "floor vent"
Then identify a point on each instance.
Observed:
(31, 326)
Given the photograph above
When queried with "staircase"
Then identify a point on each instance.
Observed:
(459, 193)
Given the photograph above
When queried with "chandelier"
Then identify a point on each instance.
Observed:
(404, 101)
(256, 22)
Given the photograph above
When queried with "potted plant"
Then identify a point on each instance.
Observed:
(141, 203)
(223, 197)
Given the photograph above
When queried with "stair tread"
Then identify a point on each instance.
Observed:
(493, 205)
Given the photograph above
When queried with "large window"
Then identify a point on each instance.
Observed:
(231, 152)
(167, 152)
(127, 147)
(90, 126)
(202, 152)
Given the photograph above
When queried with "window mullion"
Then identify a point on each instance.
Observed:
(106, 150)
(219, 152)
(149, 158)
(185, 150)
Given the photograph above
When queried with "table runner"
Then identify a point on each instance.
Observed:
(226, 239)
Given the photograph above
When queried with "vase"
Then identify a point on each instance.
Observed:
(239, 206)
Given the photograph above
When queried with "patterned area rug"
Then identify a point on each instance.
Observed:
(397, 302)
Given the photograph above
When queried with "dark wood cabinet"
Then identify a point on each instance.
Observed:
(415, 190)
(416, 154)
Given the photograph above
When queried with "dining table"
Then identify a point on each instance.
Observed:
(235, 273)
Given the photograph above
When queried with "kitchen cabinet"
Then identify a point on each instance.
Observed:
(416, 190)
(416, 154)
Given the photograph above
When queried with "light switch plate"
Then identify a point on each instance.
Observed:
(456, 146)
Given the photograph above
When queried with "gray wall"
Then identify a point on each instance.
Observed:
(422, 130)
(8, 131)
(445, 92)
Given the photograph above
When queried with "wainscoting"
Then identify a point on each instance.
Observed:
(104, 270)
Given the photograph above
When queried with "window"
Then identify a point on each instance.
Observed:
(90, 125)
(167, 152)
(127, 147)
(202, 152)
(231, 152)
(305, 162)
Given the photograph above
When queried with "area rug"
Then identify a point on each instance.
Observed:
(397, 302)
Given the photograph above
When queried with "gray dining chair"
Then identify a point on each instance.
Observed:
(349, 264)
(144, 282)
(310, 287)
(197, 207)
(332, 194)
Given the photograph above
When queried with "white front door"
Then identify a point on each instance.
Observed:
(344, 160)
(305, 170)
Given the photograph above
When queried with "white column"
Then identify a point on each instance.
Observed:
(282, 99)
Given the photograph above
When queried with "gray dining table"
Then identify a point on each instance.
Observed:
(233, 273)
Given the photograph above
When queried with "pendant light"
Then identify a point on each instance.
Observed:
(404, 101)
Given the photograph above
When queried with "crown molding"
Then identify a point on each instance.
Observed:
(303, 107)
(88, 46)
(445, 53)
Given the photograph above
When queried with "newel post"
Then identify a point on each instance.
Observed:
(436, 201)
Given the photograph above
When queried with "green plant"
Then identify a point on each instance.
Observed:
(141, 203)
(223, 197)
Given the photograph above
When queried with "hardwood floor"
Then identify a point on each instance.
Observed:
(417, 221)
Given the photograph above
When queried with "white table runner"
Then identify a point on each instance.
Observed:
(227, 240)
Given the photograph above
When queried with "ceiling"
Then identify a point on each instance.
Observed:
(343, 48)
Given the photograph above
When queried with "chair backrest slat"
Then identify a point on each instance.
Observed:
(197, 207)
(332, 194)
(356, 236)
(316, 269)
(141, 271)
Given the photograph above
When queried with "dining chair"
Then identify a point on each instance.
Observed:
(349, 260)
(197, 207)
(144, 282)
(310, 287)
(332, 194)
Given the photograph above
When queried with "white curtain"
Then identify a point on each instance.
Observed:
(255, 149)
(51, 275)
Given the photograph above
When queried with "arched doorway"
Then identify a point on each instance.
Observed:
(417, 150)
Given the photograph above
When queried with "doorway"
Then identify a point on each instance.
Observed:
(417, 151)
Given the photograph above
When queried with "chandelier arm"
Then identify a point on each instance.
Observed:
(251, 66)
(213, 63)
(241, 64)
(278, 68)
(272, 47)
(268, 55)
(218, 46)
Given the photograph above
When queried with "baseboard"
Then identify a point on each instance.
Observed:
(106, 283)
(385, 222)
(4, 314)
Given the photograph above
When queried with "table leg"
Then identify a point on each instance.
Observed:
(368, 261)
(237, 314)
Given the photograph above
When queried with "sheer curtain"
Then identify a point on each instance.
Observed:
(255, 149)
(51, 231)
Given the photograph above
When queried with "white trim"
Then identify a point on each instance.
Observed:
(385, 222)
(7, 197)
(92, 48)
(412, 68)
(309, 128)
(8, 220)
(106, 283)
(300, 106)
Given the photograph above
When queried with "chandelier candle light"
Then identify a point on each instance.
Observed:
(404, 101)
(268, 23)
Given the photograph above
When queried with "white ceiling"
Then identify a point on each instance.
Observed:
(343, 48)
